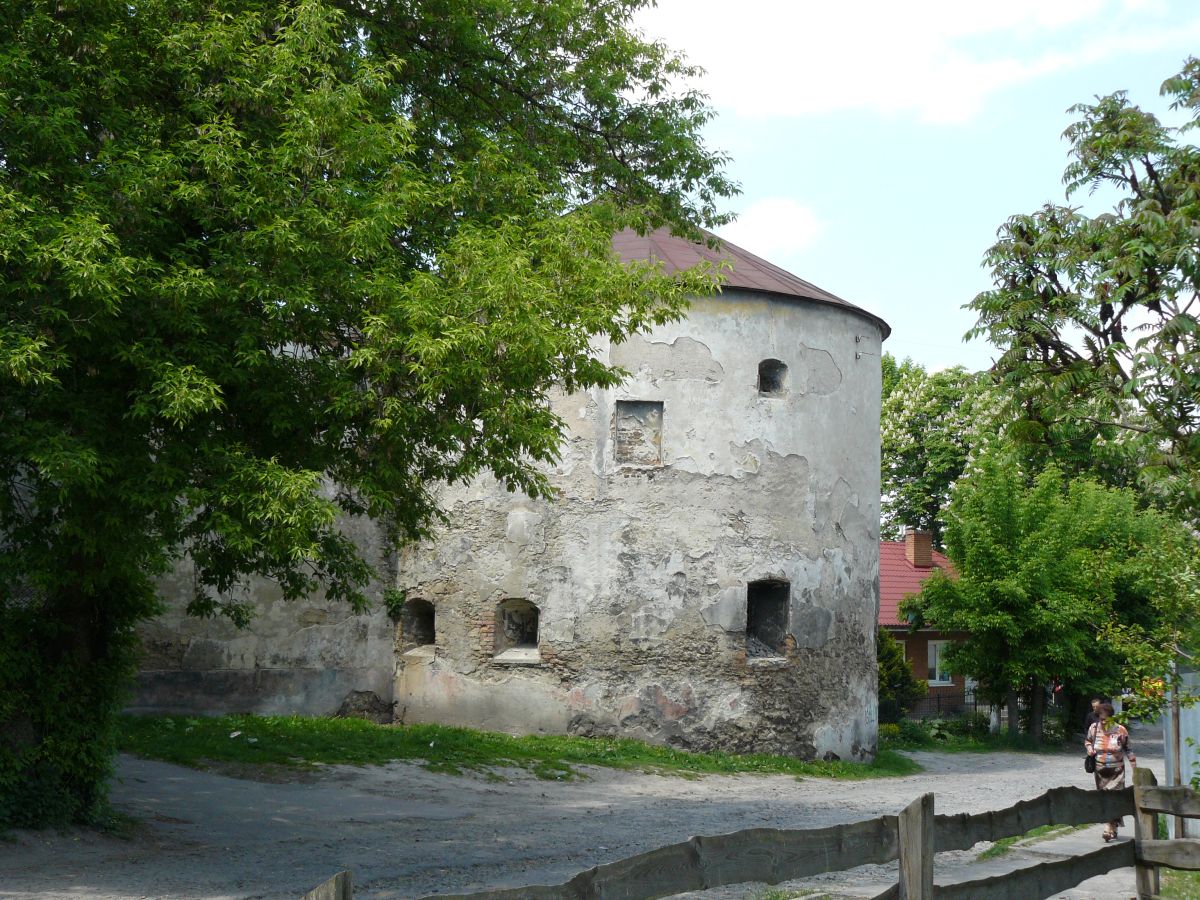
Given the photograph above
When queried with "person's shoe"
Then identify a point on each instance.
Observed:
(1108, 836)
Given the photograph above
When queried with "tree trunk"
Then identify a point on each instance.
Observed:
(1037, 712)
(1014, 717)
(73, 657)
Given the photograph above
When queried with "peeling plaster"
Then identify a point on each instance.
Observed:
(641, 572)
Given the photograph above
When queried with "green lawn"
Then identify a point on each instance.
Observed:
(944, 737)
(303, 742)
(1180, 885)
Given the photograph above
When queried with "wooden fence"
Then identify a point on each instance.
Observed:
(775, 855)
(338, 887)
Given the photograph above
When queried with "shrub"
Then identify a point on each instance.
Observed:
(913, 734)
(1053, 730)
(898, 686)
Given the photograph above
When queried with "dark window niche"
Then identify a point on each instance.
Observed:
(517, 631)
(638, 426)
(417, 624)
(772, 378)
(767, 617)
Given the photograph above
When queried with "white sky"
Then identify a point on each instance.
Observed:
(880, 144)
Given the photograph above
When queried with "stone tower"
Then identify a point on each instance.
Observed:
(708, 575)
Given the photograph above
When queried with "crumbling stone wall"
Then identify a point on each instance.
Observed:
(304, 657)
(677, 491)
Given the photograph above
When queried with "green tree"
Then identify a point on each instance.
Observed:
(1097, 314)
(931, 425)
(1046, 568)
(266, 263)
(898, 686)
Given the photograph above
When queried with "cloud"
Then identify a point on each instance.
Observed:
(774, 228)
(938, 60)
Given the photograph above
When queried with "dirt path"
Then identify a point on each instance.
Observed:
(404, 832)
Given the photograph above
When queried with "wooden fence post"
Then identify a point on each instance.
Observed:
(916, 850)
(336, 888)
(1144, 829)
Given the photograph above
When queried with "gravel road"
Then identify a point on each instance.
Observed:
(405, 832)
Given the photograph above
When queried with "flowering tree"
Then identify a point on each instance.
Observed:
(931, 426)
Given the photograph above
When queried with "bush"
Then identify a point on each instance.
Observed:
(904, 735)
(898, 686)
(1054, 731)
(941, 729)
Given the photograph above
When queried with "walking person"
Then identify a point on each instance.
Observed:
(1108, 741)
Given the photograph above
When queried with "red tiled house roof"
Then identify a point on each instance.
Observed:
(898, 578)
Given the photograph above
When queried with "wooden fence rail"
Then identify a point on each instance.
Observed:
(757, 854)
(774, 855)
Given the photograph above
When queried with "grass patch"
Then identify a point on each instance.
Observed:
(293, 741)
(1180, 885)
(953, 743)
(117, 824)
(1042, 832)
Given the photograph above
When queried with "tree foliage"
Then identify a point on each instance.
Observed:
(1098, 315)
(269, 263)
(1047, 569)
(931, 426)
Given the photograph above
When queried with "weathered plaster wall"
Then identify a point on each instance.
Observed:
(301, 657)
(640, 570)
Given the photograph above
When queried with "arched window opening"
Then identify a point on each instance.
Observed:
(516, 631)
(772, 378)
(767, 617)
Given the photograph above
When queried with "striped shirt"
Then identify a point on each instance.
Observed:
(1111, 744)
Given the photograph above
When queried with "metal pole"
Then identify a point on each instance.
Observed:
(1176, 743)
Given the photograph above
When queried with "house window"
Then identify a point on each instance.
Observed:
(638, 425)
(938, 673)
(517, 632)
(417, 624)
(766, 617)
(772, 378)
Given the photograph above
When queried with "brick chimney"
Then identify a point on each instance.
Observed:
(918, 548)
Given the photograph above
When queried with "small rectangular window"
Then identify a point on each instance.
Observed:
(767, 617)
(772, 378)
(938, 673)
(516, 632)
(638, 425)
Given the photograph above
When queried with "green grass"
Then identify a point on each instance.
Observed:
(1180, 885)
(991, 743)
(276, 741)
(1043, 832)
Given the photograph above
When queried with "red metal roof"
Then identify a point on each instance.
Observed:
(745, 270)
(898, 578)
